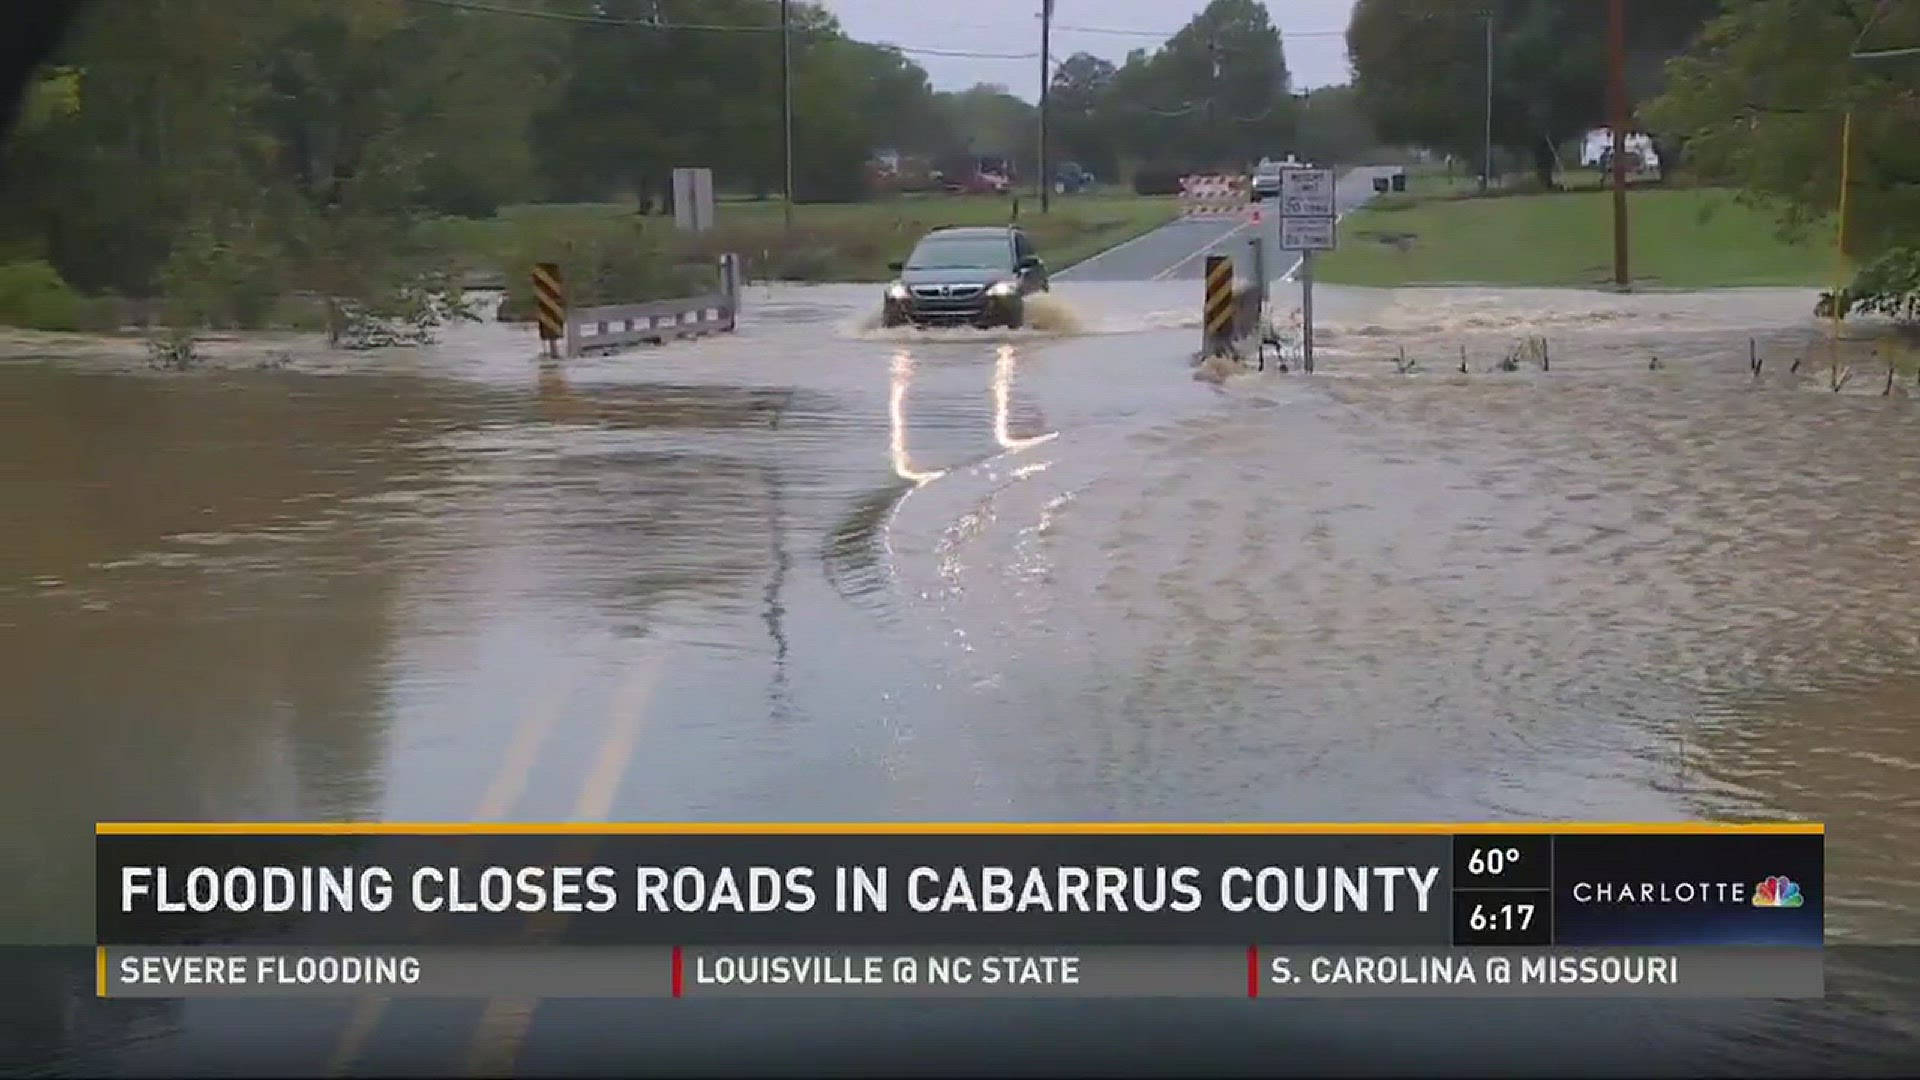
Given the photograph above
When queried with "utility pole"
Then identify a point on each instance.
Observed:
(786, 104)
(1046, 82)
(1617, 47)
(1486, 146)
(1213, 92)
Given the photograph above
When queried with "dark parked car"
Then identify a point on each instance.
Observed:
(972, 276)
(1071, 179)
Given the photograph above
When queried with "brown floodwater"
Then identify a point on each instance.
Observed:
(816, 570)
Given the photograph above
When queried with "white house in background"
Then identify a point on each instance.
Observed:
(1600, 140)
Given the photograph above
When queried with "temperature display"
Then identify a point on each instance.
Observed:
(1502, 862)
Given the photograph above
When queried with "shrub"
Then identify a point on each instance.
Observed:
(606, 262)
(33, 295)
(1889, 285)
(1157, 179)
(224, 279)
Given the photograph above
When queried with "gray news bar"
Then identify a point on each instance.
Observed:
(1025, 972)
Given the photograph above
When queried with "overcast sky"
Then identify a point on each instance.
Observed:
(1317, 57)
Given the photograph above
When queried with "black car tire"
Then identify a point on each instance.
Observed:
(891, 319)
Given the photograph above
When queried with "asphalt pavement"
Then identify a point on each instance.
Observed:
(1178, 250)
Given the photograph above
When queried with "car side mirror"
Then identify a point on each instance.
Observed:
(1031, 262)
(896, 266)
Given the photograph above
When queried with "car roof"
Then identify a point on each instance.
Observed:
(973, 230)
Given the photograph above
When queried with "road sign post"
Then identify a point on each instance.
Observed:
(1307, 216)
(1306, 312)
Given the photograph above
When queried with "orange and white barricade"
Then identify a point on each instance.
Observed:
(1210, 196)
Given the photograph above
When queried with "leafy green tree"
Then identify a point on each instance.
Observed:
(1762, 100)
(1081, 125)
(1216, 95)
(988, 121)
(1334, 128)
(1421, 68)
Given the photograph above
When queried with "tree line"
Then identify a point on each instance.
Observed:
(242, 151)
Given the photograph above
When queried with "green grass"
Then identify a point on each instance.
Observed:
(1679, 238)
(829, 242)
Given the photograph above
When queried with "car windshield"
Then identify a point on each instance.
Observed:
(962, 253)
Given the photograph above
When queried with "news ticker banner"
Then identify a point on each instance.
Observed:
(851, 910)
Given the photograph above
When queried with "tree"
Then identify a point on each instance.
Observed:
(1216, 95)
(1078, 117)
(1421, 68)
(308, 147)
(1334, 128)
(639, 100)
(1762, 98)
(986, 120)
(1222, 86)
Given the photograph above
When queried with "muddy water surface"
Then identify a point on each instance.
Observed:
(818, 570)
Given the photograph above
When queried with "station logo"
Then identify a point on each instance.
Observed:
(1778, 891)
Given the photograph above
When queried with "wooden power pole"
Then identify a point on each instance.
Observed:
(1617, 49)
(1046, 81)
(786, 106)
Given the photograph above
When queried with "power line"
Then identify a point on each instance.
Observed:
(1164, 34)
(919, 51)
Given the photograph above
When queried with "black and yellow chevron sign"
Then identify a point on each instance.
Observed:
(1219, 304)
(550, 301)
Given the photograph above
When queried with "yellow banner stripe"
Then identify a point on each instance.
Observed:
(936, 828)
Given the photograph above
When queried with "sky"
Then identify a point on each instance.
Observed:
(1317, 57)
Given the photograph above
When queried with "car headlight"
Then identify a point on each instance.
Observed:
(1003, 289)
(896, 291)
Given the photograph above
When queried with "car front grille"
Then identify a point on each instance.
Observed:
(949, 303)
(940, 293)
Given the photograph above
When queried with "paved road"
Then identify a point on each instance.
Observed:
(1178, 250)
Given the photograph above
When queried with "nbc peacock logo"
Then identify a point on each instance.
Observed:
(1777, 892)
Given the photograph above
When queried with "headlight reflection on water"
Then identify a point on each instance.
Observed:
(1002, 404)
(902, 372)
(902, 377)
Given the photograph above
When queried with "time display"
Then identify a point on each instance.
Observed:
(1502, 917)
(1509, 917)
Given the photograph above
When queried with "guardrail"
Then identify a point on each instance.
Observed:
(613, 327)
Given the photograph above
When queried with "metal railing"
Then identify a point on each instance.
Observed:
(613, 327)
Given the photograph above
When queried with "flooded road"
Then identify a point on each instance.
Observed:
(817, 571)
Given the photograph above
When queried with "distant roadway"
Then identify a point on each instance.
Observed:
(1178, 250)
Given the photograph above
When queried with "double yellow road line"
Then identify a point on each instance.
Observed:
(503, 1026)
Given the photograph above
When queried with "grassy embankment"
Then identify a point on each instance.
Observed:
(1442, 233)
(604, 248)
(610, 254)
